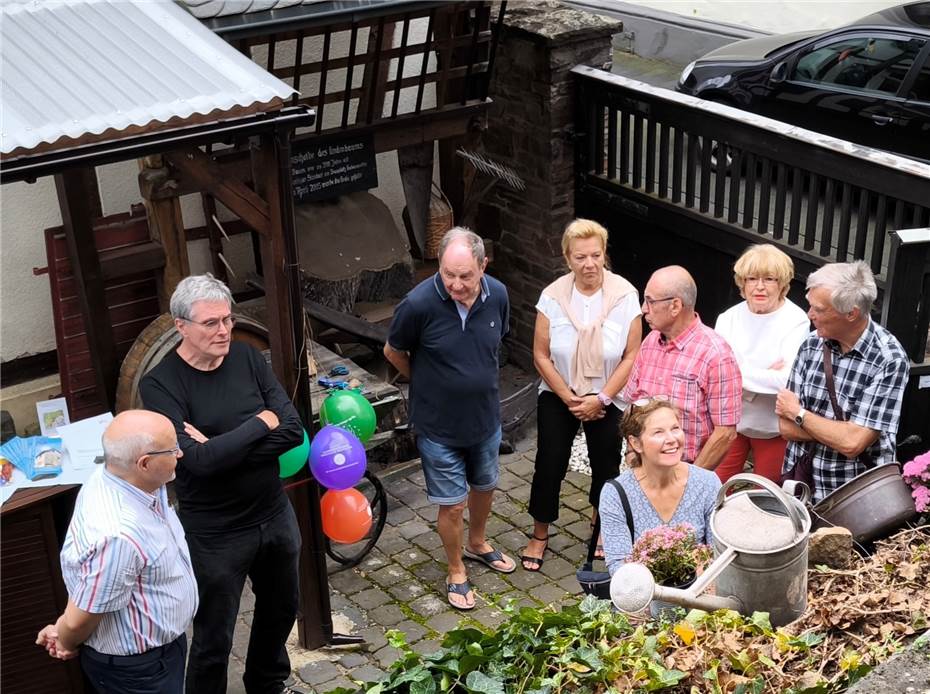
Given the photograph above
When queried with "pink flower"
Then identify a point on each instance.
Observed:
(921, 499)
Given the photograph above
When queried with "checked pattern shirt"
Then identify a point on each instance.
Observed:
(870, 381)
(698, 372)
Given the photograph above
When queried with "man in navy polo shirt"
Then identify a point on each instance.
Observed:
(445, 338)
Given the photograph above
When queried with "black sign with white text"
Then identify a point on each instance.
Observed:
(326, 168)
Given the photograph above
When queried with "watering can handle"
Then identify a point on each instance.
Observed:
(768, 486)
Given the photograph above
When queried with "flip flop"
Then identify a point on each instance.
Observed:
(535, 560)
(459, 589)
(489, 558)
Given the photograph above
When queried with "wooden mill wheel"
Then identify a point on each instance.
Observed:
(159, 339)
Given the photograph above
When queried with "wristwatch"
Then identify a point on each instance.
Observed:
(799, 417)
(604, 400)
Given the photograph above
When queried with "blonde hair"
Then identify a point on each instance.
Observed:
(634, 421)
(580, 229)
(764, 260)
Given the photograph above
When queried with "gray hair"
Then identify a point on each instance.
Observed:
(471, 239)
(684, 289)
(197, 288)
(123, 452)
(851, 285)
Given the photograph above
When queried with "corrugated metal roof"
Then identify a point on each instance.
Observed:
(85, 67)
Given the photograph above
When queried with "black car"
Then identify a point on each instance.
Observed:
(867, 82)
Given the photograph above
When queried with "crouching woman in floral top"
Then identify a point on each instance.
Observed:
(660, 487)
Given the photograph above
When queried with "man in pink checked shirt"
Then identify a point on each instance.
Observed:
(688, 363)
(131, 587)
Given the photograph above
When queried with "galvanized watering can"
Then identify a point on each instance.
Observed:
(760, 542)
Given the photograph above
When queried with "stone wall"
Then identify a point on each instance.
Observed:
(530, 128)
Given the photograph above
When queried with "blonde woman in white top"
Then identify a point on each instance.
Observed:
(765, 331)
(587, 335)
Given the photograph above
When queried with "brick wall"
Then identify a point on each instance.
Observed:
(530, 127)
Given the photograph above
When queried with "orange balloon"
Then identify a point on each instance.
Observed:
(346, 515)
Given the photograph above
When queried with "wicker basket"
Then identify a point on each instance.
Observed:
(440, 221)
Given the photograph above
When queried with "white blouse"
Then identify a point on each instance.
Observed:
(759, 340)
(563, 337)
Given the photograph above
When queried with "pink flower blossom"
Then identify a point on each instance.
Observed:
(921, 498)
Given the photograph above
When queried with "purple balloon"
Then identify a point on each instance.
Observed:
(337, 458)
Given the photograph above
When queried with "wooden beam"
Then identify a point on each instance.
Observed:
(206, 175)
(359, 328)
(166, 226)
(390, 134)
(75, 202)
(289, 360)
(130, 260)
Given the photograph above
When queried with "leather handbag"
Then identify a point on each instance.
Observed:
(597, 583)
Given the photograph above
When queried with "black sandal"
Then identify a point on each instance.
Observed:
(535, 560)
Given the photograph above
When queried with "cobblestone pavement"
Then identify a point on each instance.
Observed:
(401, 584)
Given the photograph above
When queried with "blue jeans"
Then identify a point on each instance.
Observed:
(158, 671)
(450, 471)
(267, 554)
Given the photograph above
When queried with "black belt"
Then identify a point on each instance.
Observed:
(128, 660)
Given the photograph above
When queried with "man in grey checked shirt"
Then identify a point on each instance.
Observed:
(871, 370)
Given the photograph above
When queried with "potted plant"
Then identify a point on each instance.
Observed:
(674, 556)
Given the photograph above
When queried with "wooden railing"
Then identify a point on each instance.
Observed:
(380, 65)
(822, 199)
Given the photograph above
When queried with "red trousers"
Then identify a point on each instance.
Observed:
(767, 454)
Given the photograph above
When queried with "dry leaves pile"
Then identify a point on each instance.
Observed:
(855, 619)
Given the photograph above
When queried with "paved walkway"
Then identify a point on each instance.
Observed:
(401, 584)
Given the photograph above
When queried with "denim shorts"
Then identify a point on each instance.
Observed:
(450, 471)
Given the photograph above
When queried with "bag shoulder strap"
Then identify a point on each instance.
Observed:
(838, 412)
(625, 502)
(831, 383)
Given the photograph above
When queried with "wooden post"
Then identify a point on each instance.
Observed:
(904, 306)
(76, 202)
(165, 223)
(289, 360)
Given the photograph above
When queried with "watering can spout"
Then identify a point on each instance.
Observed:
(632, 588)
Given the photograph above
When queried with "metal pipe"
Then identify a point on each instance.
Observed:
(676, 596)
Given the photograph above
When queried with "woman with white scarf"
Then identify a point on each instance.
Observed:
(588, 331)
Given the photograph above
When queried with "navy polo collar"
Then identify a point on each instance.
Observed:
(444, 295)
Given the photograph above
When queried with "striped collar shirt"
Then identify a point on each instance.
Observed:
(698, 372)
(870, 380)
(125, 556)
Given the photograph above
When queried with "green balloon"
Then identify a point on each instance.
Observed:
(351, 411)
(291, 461)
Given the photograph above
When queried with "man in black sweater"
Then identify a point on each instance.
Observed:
(233, 420)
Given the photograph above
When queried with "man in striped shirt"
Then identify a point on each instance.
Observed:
(685, 361)
(127, 568)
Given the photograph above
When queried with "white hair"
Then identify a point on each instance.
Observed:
(851, 285)
(471, 239)
(197, 288)
(123, 452)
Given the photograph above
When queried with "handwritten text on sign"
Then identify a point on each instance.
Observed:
(326, 169)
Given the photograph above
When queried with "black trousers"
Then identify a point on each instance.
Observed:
(158, 671)
(267, 554)
(556, 429)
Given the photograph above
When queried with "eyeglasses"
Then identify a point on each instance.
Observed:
(214, 323)
(651, 302)
(768, 281)
(176, 451)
